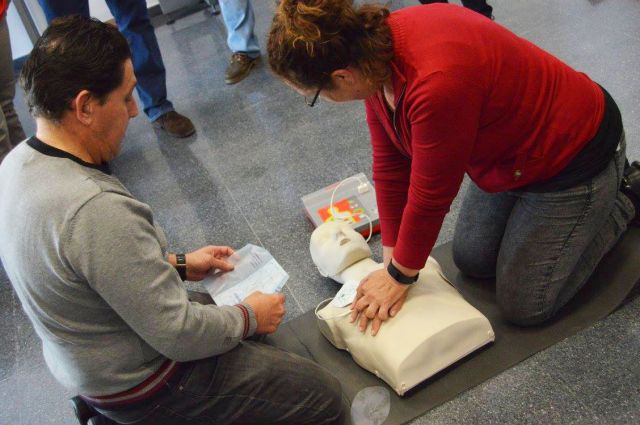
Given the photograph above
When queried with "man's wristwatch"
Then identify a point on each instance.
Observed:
(399, 276)
(181, 266)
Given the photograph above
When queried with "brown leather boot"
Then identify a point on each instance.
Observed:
(239, 67)
(175, 125)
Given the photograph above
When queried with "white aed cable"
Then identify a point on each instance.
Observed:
(346, 313)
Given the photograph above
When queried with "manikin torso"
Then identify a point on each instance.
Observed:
(435, 327)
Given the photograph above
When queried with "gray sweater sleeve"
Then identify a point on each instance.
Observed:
(112, 244)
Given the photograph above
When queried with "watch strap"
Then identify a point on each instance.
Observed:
(399, 276)
(181, 265)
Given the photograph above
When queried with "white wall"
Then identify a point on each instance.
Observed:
(21, 44)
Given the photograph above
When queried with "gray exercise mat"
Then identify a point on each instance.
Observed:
(612, 281)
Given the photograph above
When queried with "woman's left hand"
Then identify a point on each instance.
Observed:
(378, 297)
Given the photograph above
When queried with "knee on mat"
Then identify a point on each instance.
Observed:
(473, 263)
(522, 311)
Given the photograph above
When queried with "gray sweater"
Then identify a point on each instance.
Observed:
(88, 264)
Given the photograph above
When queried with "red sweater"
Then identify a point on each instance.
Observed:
(470, 97)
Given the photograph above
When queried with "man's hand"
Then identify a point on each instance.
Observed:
(204, 260)
(378, 297)
(269, 310)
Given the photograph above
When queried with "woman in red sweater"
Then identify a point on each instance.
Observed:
(449, 92)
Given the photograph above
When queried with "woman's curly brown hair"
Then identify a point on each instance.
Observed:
(309, 39)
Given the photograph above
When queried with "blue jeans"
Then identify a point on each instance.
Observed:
(252, 384)
(133, 21)
(240, 21)
(541, 247)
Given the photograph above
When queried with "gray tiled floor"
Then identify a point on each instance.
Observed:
(259, 149)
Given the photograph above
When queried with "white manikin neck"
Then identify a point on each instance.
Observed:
(357, 271)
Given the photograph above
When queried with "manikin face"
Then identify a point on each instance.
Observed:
(335, 246)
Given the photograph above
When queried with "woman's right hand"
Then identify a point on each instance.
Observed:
(378, 298)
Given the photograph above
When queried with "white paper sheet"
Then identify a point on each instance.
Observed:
(255, 270)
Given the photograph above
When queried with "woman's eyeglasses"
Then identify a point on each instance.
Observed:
(314, 99)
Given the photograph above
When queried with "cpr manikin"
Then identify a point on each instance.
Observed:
(435, 327)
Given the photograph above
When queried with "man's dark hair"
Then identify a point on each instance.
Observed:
(74, 54)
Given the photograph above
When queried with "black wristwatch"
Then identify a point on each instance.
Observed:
(181, 265)
(399, 276)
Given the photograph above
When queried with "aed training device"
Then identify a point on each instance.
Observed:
(352, 200)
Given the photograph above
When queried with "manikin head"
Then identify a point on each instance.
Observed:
(335, 246)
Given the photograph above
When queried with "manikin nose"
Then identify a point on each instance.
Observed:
(342, 238)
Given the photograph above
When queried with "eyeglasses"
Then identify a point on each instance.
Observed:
(314, 99)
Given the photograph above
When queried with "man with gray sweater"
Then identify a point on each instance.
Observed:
(92, 272)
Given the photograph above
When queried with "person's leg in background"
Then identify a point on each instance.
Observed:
(554, 241)
(5, 141)
(133, 21)
(56, 8)
(479, 6)
(11, 132)
(239, 19)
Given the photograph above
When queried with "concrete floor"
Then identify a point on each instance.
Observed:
(258, 149)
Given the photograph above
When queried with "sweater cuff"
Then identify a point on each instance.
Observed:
(250, 322)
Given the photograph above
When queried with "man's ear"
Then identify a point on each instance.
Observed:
(83, 106)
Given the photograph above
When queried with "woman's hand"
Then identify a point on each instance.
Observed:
(378, 297)
(204, 260)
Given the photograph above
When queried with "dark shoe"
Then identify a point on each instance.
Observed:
(239, 67)
(631, 188)
(175, 124)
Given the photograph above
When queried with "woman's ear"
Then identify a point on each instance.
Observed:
(341, 77)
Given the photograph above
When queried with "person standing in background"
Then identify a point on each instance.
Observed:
(133, 22)
(11, 132)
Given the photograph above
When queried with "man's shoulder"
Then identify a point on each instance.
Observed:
(54, 184)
